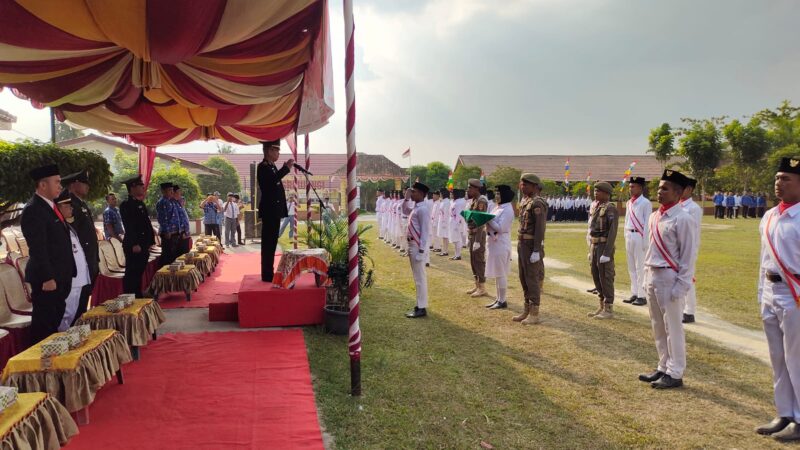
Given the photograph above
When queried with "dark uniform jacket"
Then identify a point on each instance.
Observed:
(87, 234)
(603, 226)
(50, 247)
(532, 221)
(273, 198)
(138, 229)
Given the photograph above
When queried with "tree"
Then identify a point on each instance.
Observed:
(661, 143)
(17, 159)
(436, 177)
(701, 145)
(462, 175)
(749, 144)
(183, 178)
(505, 175)
(65, 132)
(228, 182)
(420, 172)
(126, 166)
(225, 149)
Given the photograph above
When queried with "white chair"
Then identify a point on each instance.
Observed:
(119, 252)
(21, 263)
(14, 290)
(107, 255)
(22, 244)
(9, 240)
(9, 319)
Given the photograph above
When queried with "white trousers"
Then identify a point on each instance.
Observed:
(635, 251)
(72, 307)
(666, 315)
(690, 304)
(420, 277)
(782, 327)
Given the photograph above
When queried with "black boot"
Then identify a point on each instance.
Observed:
(667, 382)
(688, 318)
(640, 301)
(630, 300)
(416, 313)
(652, 376)
(788, 434)
(777, 424)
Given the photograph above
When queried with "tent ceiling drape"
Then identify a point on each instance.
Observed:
(170, 72)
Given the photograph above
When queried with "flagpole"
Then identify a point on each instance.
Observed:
(409, 166)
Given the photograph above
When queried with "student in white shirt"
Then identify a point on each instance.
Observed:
(418, 236)
(637, 213)
(696, 212)
(498, 244)
(778, 298)
(669, 268)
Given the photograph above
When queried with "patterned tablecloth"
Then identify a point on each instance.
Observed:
(36, 421)
(203, 261)
(74, 377)
(295, 262)
(186, 280)
(213, 251)
(137, 322)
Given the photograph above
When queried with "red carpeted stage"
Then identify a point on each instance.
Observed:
(227, 390)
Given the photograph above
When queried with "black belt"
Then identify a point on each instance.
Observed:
(776, 278)
(660, 267)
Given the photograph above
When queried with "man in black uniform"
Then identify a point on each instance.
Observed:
(51, 265)
(78, 186)
(272, 204)
(138, 236)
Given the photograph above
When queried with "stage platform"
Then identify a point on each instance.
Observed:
(262, 305)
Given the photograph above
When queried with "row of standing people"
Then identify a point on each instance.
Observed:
(729, 204)
(223, 218)
(568, 208)
(662, 247)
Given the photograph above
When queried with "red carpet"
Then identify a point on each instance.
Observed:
(222, 283)
(231, 390)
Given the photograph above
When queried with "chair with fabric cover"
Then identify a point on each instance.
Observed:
(12, 257)
(108, 256)
(15, 293)
(99, 233)
(22, 244)
(16, 324)
(156, 248)
(118, 251)
(21, 263)
(7, 348)
(9, 241)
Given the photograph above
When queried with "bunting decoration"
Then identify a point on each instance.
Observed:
(589, 184)
(483, 178)
(627, 176)
(450, 182)
(566, 172)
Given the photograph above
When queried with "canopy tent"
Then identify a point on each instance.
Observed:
(161, 73)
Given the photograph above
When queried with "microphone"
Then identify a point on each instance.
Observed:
(301, 169)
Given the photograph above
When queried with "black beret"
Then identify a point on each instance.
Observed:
(166, 185)
(692, 182)
(638, 180)
(421, 187)
(82, 176)
(43, 172)
(675, 177)
(790, 165)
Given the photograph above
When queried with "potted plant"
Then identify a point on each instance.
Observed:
(333, 237)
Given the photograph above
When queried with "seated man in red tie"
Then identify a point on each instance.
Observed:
(51, 266)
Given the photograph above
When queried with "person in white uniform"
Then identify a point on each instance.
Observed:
(669, 266)
(379, 213)
(443, 222)
(418, 236)
(637, 211)
(81, 278)
(435, 211)
(779, 297)
(457, 222)
(498, 244)
(696, 213)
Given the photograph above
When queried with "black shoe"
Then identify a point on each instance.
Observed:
(652, 376)
(788, 434)
(455, 258)
(667, 382)
(688, 318)
(416, 313)
(444, 254)
(437, 250)
(490, 304)
(427, 264)
(266, 279)
(777, 424)
(630, 300)
(592, 291)
(640, 301)
(499, 305)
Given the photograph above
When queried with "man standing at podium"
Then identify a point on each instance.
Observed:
(272, 204)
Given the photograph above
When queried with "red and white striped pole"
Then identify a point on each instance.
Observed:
(294, 188)
(354, 343)
(308, 186)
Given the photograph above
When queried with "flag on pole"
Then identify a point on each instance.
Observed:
(589, 183)
(483, 178)
(407, 153)
(450, 182)
(566, 172)
(627, 176)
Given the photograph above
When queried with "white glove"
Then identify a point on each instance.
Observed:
(476, 245)
(419, 256)
(535, 257)
(589, 256)
(678, 293)
(604, 259)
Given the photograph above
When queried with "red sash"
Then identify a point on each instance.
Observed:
(413, 233)
(655, 238)
(787, 275)
(637, 224)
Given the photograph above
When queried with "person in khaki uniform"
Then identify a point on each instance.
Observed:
(530, 249)
(603, 233)
(477, 238)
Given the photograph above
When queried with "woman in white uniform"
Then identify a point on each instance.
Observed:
(81, 278)
(443, 222)
(498, 244)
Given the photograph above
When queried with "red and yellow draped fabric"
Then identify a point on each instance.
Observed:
(167, 72)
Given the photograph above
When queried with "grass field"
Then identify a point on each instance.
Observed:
(466, 375)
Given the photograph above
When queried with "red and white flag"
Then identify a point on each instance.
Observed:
(407, 153)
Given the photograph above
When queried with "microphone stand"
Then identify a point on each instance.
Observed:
(322, 206)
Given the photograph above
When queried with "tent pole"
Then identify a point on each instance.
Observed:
(354, 341)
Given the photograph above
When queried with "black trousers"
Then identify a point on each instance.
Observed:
(48, 310)
(170, 248)
(269, 242)
(239, 233)
(719, 212)
(83, 302)
(135, 264)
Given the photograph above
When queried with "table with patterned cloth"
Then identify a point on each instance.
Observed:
(138, 322)
(74, 377)
(36, 421)
(185, 280)
(293, 263)
(213, 251)
(203, 261)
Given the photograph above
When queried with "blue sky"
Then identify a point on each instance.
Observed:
(450, 77)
